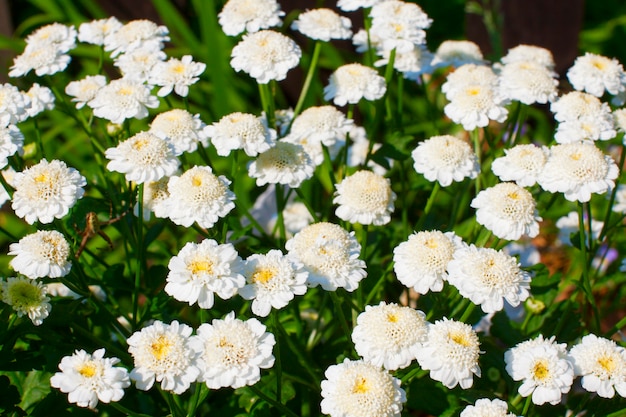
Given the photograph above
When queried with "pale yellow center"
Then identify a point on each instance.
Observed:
(263, 275)
(540, 370)
(200, 266)
(88, 370)
(361, 386)
(607, 362)
(161, 347)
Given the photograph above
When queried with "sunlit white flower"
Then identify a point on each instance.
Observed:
(421, 262)
(154, 193)
(570, 224)
(138, 64)
(485, 407)
(445, 159)
(85, 90)
(41, 98)
(162, 353)
(266, 55)
(352, 5)
(231, 352)
(365, 197)
(323, 24)
(11, 143)
(582, 116)
(466, 75)
(296, 217)
(352, 82)
(330, 254)
(596, 74)
(543, 367)
(284, 163)
(41, 254)
(602, 365)
(96, 31)
(176, 74)
(398, 25)
(136, 34)
(474, 105)
(578, 170)
(533, 53)
(389, 335)
(8, 173)
(27, 297)
(241, 131)
(250, 16)
(13, 105)
(197, 195)
(46, 191)
(123, 99)
(143, 157)
(455, 53)
(451, 353)
(528, 82)
(412, 64)
(359, 151)
(324, 124)
(358, 388)
(200, 270)
(55, 36)
(44, 60)
(521, 163)
(182, 129)
(88, 378)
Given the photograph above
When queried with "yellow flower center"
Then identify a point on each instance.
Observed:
(392, 317)
(263, 275)
(88, 369)
(540, 370)
(607, 362)
(361, 386)
(460, 338)
(161, 347)
(200, 266)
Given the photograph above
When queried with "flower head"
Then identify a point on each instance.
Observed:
(528, 82)
(323, 24)
(176, 74)
(41, 98)
(134, 35)
(366, 198)
(13, 105)
(138, 64)
(11, 142)
(352, 82)
(250, 16)
(596, 74)
(27, 297)
(455, 53)
(445, 159)
(241, 131)
(582, 116)
(182, 129)
(85, 90)
(322, 124)
(284, 163)
(533, 53)
(41, 254)
(123, 99)
(352, 5)
(398, 25)
(485, 407)
(475, 105)
(96, 31)
(521, 163)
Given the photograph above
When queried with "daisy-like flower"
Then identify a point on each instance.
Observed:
(266, 55)
(582, 116)
(136, 34)
(451, 353)
(602, 365)
(41, 98)
(358, 388)
(41, 254)
(456, 53)
(398, 25)
(272, 280)
(241, 131)
(13, 105)
(445, 159)
(85, 90)
(296, 217)
(203, 269)
(176, 74)
(182, 129)
(488, 277)
(388, 335)
(55, 36)
(330, 255)
(284, 163)
(528, 82)
(412, 64)
(197, 195)
(154, 193)
(359, 151)
(27, 297)
(238, 16)
(323, 24)
(88, 378)
(485, 407)
(468, 74)
(322, 124)
(8, 173)
(352, 5)
(138, 64)
(543, 367)
(143, 157)
(524, 53)
(474, 105)
(231, 352)
(421, 262)
(162, 353)
(46, 191)
(11, 143)
(578, 170)
(95, 31)
(43, 60)
(352, 82)
(521, 163)
(596, 74)
(366, 198)
(123, 99)
(507, 210)
(570, 224)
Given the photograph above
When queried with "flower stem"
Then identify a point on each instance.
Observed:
(278, 368)
(267, 101)
(277, 404)
(585, 283)
(309, 77)
(429, 205)
(139, 253)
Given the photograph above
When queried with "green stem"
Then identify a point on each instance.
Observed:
(280, 207)
(586, 279)
(139, 255)
(309, 77)
(38, 140)
(267, 101)
(475, 134)
(126, 411)
(527, 405)
(277, 404)
(278, 368)
(429, 205)
(609, 210)
(342, 317)
(308, 206)
(468, 312)
(198, 396)
(415, 372)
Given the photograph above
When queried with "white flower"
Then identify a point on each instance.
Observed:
(13, 105)
(88, 378)
(389, 335)
(284, 163)
(619, 205)
(485, 407)
(488, 277)
(474, 105)
(578, 170)
(330, 255)
(250, 16)
(46, 191)
(232, 352)
(358, 389)
(123, 99)
(366, 198)
(182, 129)
(523, 53)
(582, 116)
(197, 195)
(143, 157)
(27, 297)
(96, 31)
(352, 5)
(359, 151)
(570, 224)
(203, 269)
(602, 365)
(398, 25)
(85, 90)
(154, 193)
(528, 82)
(53, 36)
(322, 124)
(352, 82)
(138, 64)
(41, 98)
(421, 262)
(508, 210)
(162, 353)
(323, 24)
(272, 280)
(266, 55)
(451, 353)
(521, 163)
(296, 217)
(412, 64)
(176, 74)
(241, 131)
(8, 173)
(134, 35)
(455, 53)
(445, 159)
(468, 74)
(44, 253)
(543, 366)
(43, 60)
(11, 143)
(596, 74)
